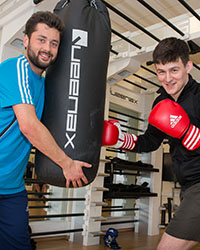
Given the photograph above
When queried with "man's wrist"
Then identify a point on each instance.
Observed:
(64, 161)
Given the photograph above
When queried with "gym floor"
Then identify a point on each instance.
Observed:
(128, 240)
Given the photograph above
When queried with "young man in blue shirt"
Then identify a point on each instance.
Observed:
(21, 106)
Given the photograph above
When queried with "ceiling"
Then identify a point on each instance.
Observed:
(136, 11)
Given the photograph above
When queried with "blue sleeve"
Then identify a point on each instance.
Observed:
(14, 82)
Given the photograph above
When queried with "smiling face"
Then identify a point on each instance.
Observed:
(42, 47)
(173, 76)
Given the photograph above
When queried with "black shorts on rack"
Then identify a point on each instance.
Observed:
(186, 221)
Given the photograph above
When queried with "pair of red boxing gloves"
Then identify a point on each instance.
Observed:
(168, 116)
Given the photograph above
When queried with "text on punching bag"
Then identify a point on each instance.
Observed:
(79, 39)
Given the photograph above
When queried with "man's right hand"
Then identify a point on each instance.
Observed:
(113, 136)
(73, 173)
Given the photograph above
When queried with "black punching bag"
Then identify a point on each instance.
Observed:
(75, 88)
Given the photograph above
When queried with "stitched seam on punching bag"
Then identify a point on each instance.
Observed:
(7, 128)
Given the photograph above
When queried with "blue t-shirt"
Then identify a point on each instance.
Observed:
(18, 85)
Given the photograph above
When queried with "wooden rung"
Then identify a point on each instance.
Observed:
(99, 204)
(102, 175)
(100, 218)
(96, 234)
(100, 189)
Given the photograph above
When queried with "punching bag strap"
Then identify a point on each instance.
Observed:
(93, 3)
(61, 4)
(100, 7)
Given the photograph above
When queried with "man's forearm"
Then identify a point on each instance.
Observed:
(41, 138)
(38, 134)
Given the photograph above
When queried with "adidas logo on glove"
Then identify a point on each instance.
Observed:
(174, 119)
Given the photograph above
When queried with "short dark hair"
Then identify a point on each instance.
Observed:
(46, 17)
(169, 50)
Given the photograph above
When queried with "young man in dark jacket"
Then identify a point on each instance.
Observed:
(175, 116)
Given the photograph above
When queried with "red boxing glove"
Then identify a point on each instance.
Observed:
(110, 134)
(171, 118)
(113, 136)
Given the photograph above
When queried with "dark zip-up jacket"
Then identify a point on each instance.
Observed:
(186, 163)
